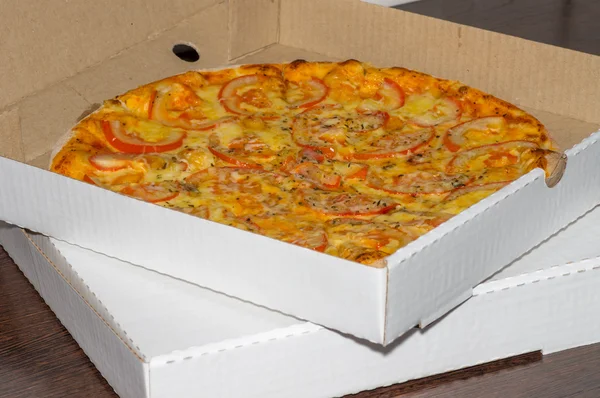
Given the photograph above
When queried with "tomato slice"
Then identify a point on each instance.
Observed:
(432, 111)
(391, 143)
(244, 223)
(419, 183)
(327, 127)
(198, 211)
(490, 156)
(312, 154)
(390, 96)
(248, 151)
(294, 230)
(181, 107)
(90, 180)
(151, 102)
(492, 186)
(235, 179)
(232, 160)
(317, 175)
(110, 161)
(455, 137)
(365, 241)
(129, 142)
(346, 204)
(361, 173)
(152, 193)
(419, 219)
(244, 95)
(306, 94)
(182, 119)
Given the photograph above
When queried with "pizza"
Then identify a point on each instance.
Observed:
(344, 158)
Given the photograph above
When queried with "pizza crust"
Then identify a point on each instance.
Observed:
(554, 163)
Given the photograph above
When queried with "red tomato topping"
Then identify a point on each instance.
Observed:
(294, 230)
(181, 107)
(231, 160)
(346, 204)
(152, 193)
(492, 186)
(317, 176)
(312, 154)
(455, 137)
(110, 161)
(239, 91)
(246, 151)
(420, 183)
(323, 128)
(390, 96)
(311, 92)
(494, 155)
(360, 174)
(444, 110)
(392, 143)
(128, 142)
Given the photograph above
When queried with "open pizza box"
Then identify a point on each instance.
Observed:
(83, 53)
(169, 338)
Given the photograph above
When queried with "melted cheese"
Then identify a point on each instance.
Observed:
(375, 179)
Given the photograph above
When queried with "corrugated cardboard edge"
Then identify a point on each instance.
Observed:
(423, 253)
(62, 267)
(77, 314)
(198, 358)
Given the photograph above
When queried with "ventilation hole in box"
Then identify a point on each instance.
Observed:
(186, 52)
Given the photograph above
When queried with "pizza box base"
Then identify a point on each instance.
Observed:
(87, 62)
(154, 336)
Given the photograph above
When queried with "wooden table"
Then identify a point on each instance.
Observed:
(38, 358)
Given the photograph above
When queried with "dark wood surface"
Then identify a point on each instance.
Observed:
(566, 23)
(38, 358)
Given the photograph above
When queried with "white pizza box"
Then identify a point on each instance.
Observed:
(154, 336)
(100, 53)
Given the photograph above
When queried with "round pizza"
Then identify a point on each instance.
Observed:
(339, 157)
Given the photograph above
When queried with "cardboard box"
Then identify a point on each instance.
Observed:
(100, 53)
(154, 336)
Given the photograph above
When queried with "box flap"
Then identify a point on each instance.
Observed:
(397, 38)
(42, 45)
(260, 17)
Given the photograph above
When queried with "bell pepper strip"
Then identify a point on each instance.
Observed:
(90, 180)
